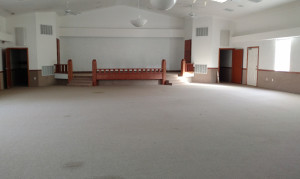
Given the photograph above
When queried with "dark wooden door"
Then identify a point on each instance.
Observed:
(8, 68)
(237, 65)
(188, 51)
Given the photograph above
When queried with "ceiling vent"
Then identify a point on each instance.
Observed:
(46, 30)
(202, 31)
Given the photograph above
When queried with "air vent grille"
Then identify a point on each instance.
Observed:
(46, 30)
(200, 69)
(47, 70)
(202, 31)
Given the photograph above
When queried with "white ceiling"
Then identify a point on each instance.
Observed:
(181, 9)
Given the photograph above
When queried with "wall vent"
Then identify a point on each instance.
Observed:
(20, 36)
(200, 69)
(202, 31)
(46, 30)
(47, 70)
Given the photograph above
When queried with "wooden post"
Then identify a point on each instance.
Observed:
(183, 67)
(94, 72)
(70, 70)
(164, 71)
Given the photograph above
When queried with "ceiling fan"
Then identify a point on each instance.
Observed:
(68, 10)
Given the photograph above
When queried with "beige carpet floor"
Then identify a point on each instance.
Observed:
(149, 132)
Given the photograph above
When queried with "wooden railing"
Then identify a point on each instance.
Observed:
(65, 69)
(129, 73)
(70, 70)
(186, 67)
(61, 68)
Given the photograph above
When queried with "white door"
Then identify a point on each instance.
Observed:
(252, 66)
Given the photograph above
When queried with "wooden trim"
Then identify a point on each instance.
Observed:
(164, 71)
(58, 50)
(0, 80)
(94, 70)
(292, 72)
(257, 64)
(82, 71)
(225, 67)
(130, 73)
(168, 71)
(35, 70)
(17, 48)
(70, 70)
(244, 68)
(212, 68)
(183, 67)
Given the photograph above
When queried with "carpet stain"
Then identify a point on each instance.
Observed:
(73, 165)
(66, 116)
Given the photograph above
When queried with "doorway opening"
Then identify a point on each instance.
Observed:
(16, 67)
(231, 65)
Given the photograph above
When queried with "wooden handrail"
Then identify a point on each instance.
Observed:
(189, 67)
(70, 70)
(183, 67)
(164, 71)
(129, 73)
(61, 68)
(94, 72)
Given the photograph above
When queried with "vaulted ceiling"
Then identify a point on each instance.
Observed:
(229, 9)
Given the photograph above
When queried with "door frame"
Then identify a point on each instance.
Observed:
(27, 54)
(220, 56)
(257, 64)
(58, 50)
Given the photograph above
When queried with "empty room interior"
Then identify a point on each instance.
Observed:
(149, 89)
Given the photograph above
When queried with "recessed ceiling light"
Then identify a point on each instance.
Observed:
(256, 1)
(220, 1)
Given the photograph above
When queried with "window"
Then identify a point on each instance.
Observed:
(283, 54)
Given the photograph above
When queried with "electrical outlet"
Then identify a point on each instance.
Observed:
(273, 80)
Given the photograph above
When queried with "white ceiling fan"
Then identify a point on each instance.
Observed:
(68, 10)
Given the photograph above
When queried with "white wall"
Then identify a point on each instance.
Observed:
(255, 29)
(202, 46)
(122, 49)
(295, 55)
(42, 48)
(2, 29)
(283, 17)
(27, 21)
(188, 28)
(46, 44)
(2, 24)
(122, 52)
(267, 53)
(205, 50)
(120, 17)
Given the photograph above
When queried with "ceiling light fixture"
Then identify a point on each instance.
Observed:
(220, 1)
(163, 5)
(140, 21)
